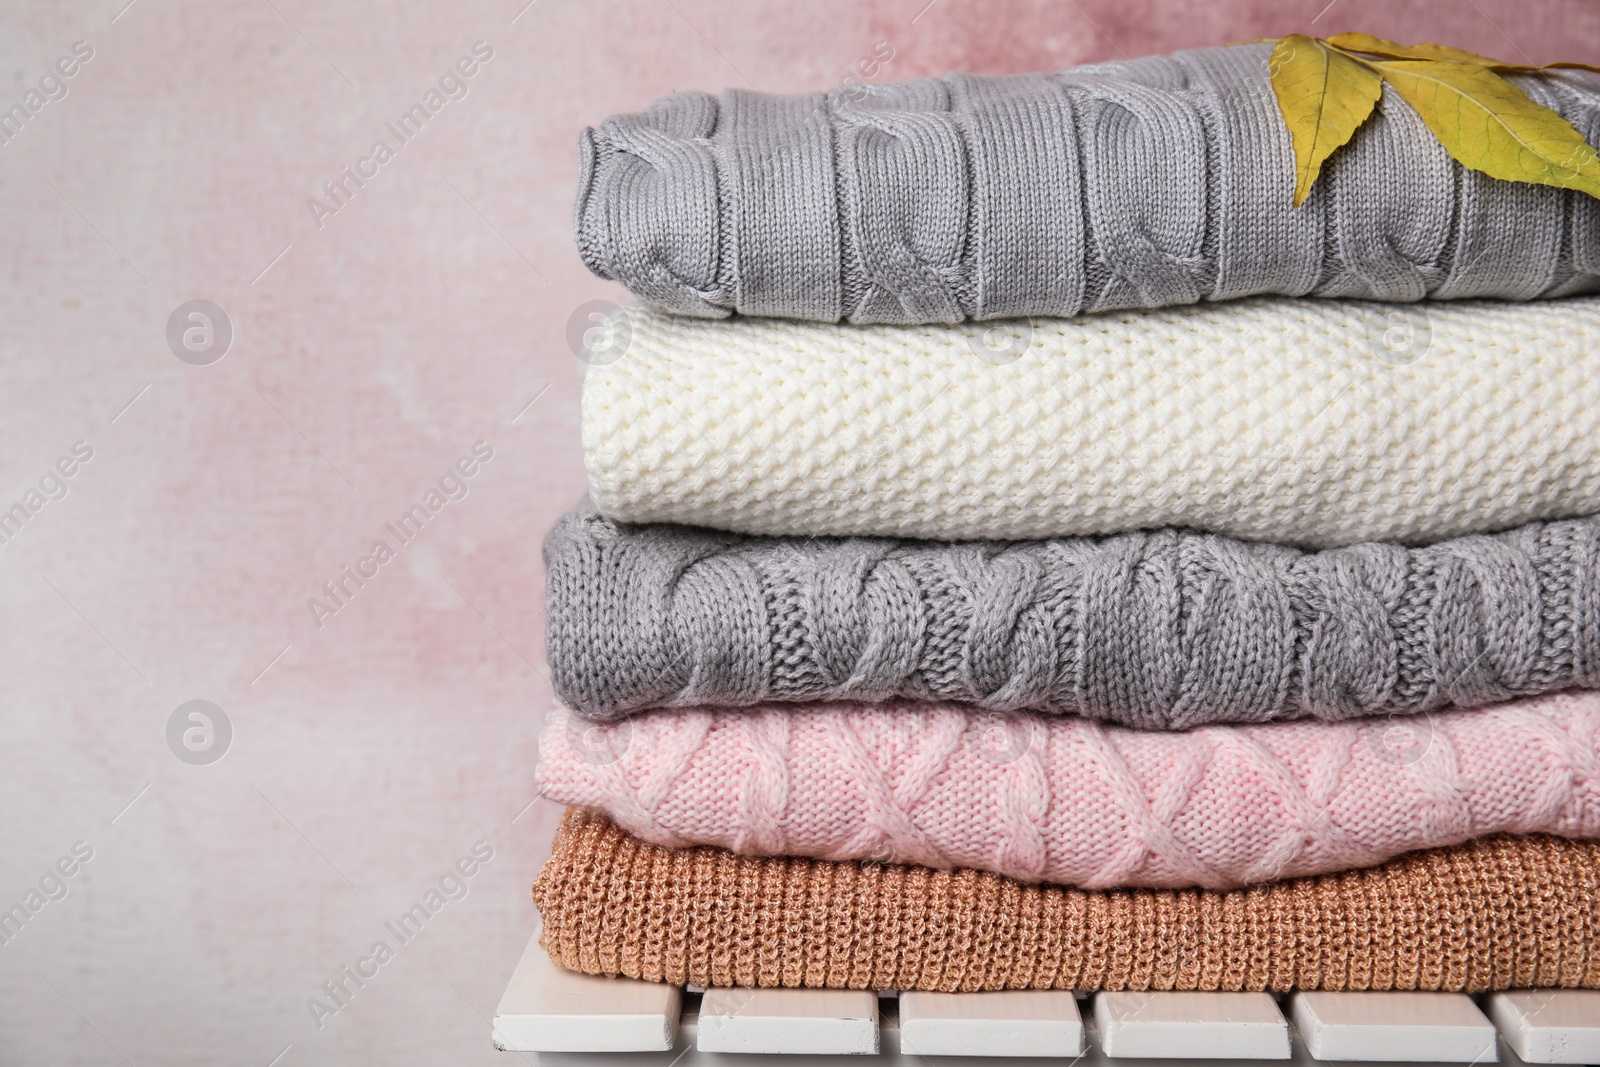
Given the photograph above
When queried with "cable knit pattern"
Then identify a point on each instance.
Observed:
(1074, 803)
(1142, 183)
(1150, 630)
(1502, 913)
(1316, 423)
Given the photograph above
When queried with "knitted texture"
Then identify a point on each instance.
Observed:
(1504, 913)
(1269, 420)
(1152, 630)
(1145, 183)
(1068, 801)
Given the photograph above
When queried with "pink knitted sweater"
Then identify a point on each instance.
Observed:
(1073, 802)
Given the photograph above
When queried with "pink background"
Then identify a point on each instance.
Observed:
(370, 754)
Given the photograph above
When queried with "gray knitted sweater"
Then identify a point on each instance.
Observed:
(1153, 630)
(1143, 183)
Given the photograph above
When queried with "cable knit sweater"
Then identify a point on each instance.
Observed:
(1075, 803)
(1152, 630)
(1143, 183)
(1316, 423)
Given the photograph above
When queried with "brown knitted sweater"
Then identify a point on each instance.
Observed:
(1499, 913)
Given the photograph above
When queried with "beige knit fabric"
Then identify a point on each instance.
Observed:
(1281, 420)
(1498, 913)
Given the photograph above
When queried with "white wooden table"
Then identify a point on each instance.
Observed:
(573, 1020)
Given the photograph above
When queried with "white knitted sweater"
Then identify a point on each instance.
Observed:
(1317, 423)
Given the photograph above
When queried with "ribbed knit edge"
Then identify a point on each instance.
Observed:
(588, 165)
(1500, 913)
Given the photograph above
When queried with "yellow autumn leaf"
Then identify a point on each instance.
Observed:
(1378, 46)
(1489, 125)
(1325, 96)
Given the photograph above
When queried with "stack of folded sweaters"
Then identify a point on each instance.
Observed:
(1014, 560)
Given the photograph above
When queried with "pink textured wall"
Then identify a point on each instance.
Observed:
(371, 753)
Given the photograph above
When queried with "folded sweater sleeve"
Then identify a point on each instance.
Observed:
(1160, 630)
(1142, 183)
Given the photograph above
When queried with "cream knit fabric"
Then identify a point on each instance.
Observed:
(1317, 423)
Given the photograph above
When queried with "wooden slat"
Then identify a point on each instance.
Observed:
(548, 1009)
(1391, 1027)
(1549, 1025)
(1021, 1023)
(1194, 1026)
(797, 1021)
